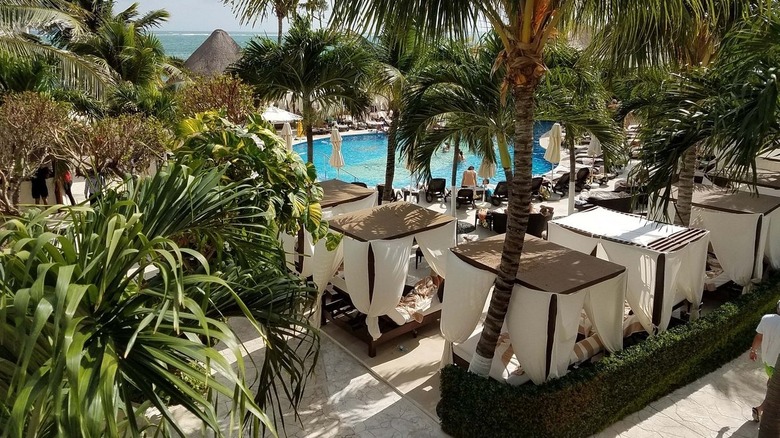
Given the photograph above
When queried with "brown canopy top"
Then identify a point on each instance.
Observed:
(336, 192)
(388, 221)
(735, 202)
(544, 265)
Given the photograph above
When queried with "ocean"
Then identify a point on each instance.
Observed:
(182, 44)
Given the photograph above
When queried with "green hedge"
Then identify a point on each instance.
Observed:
(592, 398)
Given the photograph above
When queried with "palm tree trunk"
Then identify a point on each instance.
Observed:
(279, 18)
(517, 223)
(455, 162)
(389, 194)
(308, 115)
(685, 188)
(572, 172)
(770, 419)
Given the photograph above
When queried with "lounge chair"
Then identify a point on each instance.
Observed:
(465, 196)
(500, 194)
(537, 225)
(536, 185)
(361, 184)
(581, 179)
(437, 188)
(580, 182)
(499, 222)
(562, 185)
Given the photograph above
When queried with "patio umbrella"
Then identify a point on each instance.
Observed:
(278, 115)
(594, 148)
(300, 128)
(336, 159)
(287, 135)
(553, 152)
(487, 169)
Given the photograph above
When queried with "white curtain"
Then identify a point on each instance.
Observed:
(326, 263)
(466, 291)
(391, 266)
(348, 207)
(570, 239)
(289, 242)
(527, 320)
(733, 239)
(604, 306)
(435, 243)
(690, 277)
(641, 270)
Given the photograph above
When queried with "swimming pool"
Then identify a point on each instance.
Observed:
(365, 157)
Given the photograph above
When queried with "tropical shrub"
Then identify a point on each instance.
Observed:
(91, 337)
(220, 93)
(589, 399)
(32, 127)
(254, 151)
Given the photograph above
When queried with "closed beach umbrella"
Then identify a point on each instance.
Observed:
(336, 159)
(300, 129)
(553, 152)
(487, 169)
(594, 148)
(287, 135)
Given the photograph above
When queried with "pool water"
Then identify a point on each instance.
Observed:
(365, 157)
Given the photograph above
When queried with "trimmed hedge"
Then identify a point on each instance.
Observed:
(590, 399)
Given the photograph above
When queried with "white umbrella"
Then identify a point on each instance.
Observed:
(278, 115)
(287, 135)
(487, 169)
(594, 148)
(336, 159)
(553, 152)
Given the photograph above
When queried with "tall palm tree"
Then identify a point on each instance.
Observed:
(397, 59)
(250, 10)
(457, 86)
(321, 68)
(640, 33)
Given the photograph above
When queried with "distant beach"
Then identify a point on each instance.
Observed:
(181, 44)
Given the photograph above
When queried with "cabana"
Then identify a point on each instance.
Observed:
(338, 197)
(553, 286)
(665, 263)
(743, 228)
(376, 248)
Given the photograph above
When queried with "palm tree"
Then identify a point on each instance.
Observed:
(397, 61)
(730, 110)
(21, 20)
(572, 93)
(320, 68)
(457, 87)
(640, 34)
(250, 11)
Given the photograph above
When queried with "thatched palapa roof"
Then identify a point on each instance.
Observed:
(214, 56)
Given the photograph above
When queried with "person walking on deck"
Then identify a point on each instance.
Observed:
(768, 340)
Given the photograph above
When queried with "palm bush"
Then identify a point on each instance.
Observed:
(108, 311)
(86, 336)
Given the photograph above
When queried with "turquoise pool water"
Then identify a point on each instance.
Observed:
(365, 156)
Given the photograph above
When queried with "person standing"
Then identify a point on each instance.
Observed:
(40, 192)
(768, 340)
(66, 179)
(93, 186)
(469, 178)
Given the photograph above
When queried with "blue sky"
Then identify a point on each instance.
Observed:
(204, 15)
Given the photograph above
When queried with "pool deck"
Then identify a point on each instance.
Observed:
(394, 394)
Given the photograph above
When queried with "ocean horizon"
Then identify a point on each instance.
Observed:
(181, 44)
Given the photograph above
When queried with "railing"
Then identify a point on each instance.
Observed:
(327, 157)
